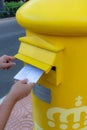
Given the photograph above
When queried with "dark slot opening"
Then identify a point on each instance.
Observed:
(54, 68)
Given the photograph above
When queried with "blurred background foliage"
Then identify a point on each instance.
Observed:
(9, 7)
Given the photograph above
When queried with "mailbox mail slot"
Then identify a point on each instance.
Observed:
(41, 54)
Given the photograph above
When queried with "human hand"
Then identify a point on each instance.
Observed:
(20, 89)
(6, 62)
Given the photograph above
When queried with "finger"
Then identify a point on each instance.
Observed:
(12, 64)
(8, 65)
(9, 58)
(12, 58)
(25, 81)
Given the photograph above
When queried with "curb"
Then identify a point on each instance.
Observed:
(7, 19)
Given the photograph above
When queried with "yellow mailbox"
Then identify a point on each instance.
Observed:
(56, 42)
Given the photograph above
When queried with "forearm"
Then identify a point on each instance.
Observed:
(18, 91)
(5, 110)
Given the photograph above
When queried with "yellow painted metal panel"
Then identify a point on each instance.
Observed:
(41, 43)
(39, 54)
(58, 17)
(34, 62)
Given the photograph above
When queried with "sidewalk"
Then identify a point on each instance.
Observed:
(21, 116)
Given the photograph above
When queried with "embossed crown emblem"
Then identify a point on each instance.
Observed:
(64, 115)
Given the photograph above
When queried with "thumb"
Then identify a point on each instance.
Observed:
(25, 81)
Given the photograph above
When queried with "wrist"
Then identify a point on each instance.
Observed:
(12, 97)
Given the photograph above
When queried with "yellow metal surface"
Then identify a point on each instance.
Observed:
(36, 63)
(69, 98)
(39, 42)
(58, 17)
(37, 53)
(59, 28)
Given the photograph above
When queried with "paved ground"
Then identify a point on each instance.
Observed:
(21, 116)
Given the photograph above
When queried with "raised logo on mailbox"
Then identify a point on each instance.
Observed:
(78, 115)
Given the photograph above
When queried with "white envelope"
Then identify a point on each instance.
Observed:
(30, 72)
